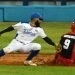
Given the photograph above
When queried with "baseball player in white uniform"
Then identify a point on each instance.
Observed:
(26, 33)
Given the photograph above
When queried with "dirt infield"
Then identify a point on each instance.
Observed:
(18, 59)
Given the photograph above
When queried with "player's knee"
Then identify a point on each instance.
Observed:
(36, 47)
(6, 50)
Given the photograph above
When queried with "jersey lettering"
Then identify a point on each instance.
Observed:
(66, 44)
(28, 32)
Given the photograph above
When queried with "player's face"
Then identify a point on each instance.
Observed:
(36, 21)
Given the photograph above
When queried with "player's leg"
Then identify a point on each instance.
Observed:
(73, 56)
(13, 46)
(34, 49)
(2, 53)
(63, 61)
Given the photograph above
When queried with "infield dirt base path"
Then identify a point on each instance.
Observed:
(42, 59)
(19, 58)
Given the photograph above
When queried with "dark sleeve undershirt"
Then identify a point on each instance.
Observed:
(49, 41)
(7, 30)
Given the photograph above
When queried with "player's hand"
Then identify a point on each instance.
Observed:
(59, 48)
(56, 46)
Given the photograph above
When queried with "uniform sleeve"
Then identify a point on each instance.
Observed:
(17, 26)
(42, 33)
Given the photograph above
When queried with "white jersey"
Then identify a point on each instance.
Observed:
(27, 33)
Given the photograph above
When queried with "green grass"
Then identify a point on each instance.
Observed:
(54, 30)
(39, 70)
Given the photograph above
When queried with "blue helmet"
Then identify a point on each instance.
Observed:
(36, 15)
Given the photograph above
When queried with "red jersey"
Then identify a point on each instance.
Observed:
(67, 43)
(67, 54)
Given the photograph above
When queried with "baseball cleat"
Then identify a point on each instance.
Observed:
(30, 63)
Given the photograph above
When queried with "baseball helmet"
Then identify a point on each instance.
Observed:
(73, 25)
(36, 15)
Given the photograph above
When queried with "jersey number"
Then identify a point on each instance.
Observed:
(66, 44)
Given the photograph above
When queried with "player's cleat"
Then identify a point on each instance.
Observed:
(30, 63)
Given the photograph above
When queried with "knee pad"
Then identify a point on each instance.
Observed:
(36, 46)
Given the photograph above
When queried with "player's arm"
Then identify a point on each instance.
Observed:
(45, 37)
(49, 41)
(10, 28)
(59, 46)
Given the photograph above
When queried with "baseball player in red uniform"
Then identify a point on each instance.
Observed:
(26, 33)
(66, 48)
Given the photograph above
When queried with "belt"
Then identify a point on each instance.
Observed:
(20, 42)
